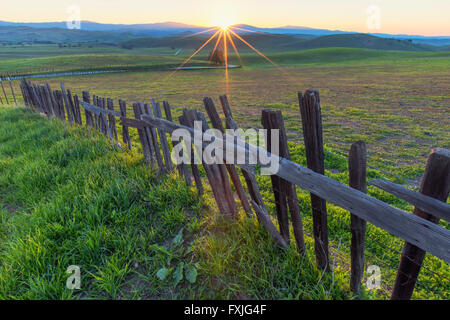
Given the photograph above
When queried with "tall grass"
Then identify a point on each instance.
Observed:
(71, 198)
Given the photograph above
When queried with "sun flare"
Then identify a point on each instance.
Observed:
(224, 32)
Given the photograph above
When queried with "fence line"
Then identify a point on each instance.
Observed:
(420, 231)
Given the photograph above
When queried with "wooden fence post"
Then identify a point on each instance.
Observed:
(143, 136)
(218, 178)
(182, 168)
(104, 120)
(357, 162)
(312, 132)
(88, 114)
(41, 98)
(45, 101)
(101, 123)
(32, 96)
(290, 189)
(277, 186)
(98, 117)
(152, 137)
(75, 104)
(50, 101)
(69, 109)
(435, 183)
(184, 120)
(162, 137)
(217, 124)
(125, 132)
(107, 127)
(60, 103)
(284, 191)
(95, 118)
(112, 119)
(250, 179)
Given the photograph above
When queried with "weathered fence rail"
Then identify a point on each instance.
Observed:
(420, 230)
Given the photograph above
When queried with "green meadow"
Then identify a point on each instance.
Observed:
(69, 197)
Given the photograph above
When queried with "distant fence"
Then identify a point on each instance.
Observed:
(3, 79)
(420, 230)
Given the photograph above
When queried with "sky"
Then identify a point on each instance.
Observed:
(419, 17)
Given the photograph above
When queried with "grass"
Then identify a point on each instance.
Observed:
(68, 197)
(396, 101)
(37, 59)
(15, 52)
(88, 62)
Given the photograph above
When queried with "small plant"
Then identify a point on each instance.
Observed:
(177, 256)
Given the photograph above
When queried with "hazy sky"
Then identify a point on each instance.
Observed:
(430, 17)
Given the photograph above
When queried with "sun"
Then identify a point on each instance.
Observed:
(224, 22)
(224, 26)
(223, 33)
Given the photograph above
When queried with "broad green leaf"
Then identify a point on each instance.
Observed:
(162, 273)
(178, 274)
(191, 273)
(179, 237)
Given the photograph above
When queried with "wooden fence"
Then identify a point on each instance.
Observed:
(420, 230)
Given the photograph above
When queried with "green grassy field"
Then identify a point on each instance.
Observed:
(15, 52)
(395, 101)
(84, 202)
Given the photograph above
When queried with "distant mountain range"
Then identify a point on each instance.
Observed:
(57, 32)
(170, 28)
(151, 29)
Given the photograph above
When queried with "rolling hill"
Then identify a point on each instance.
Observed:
(263, 41)
(58, 35)
(363, 41)
(186, 40)
(278, 42)
(151, 29)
